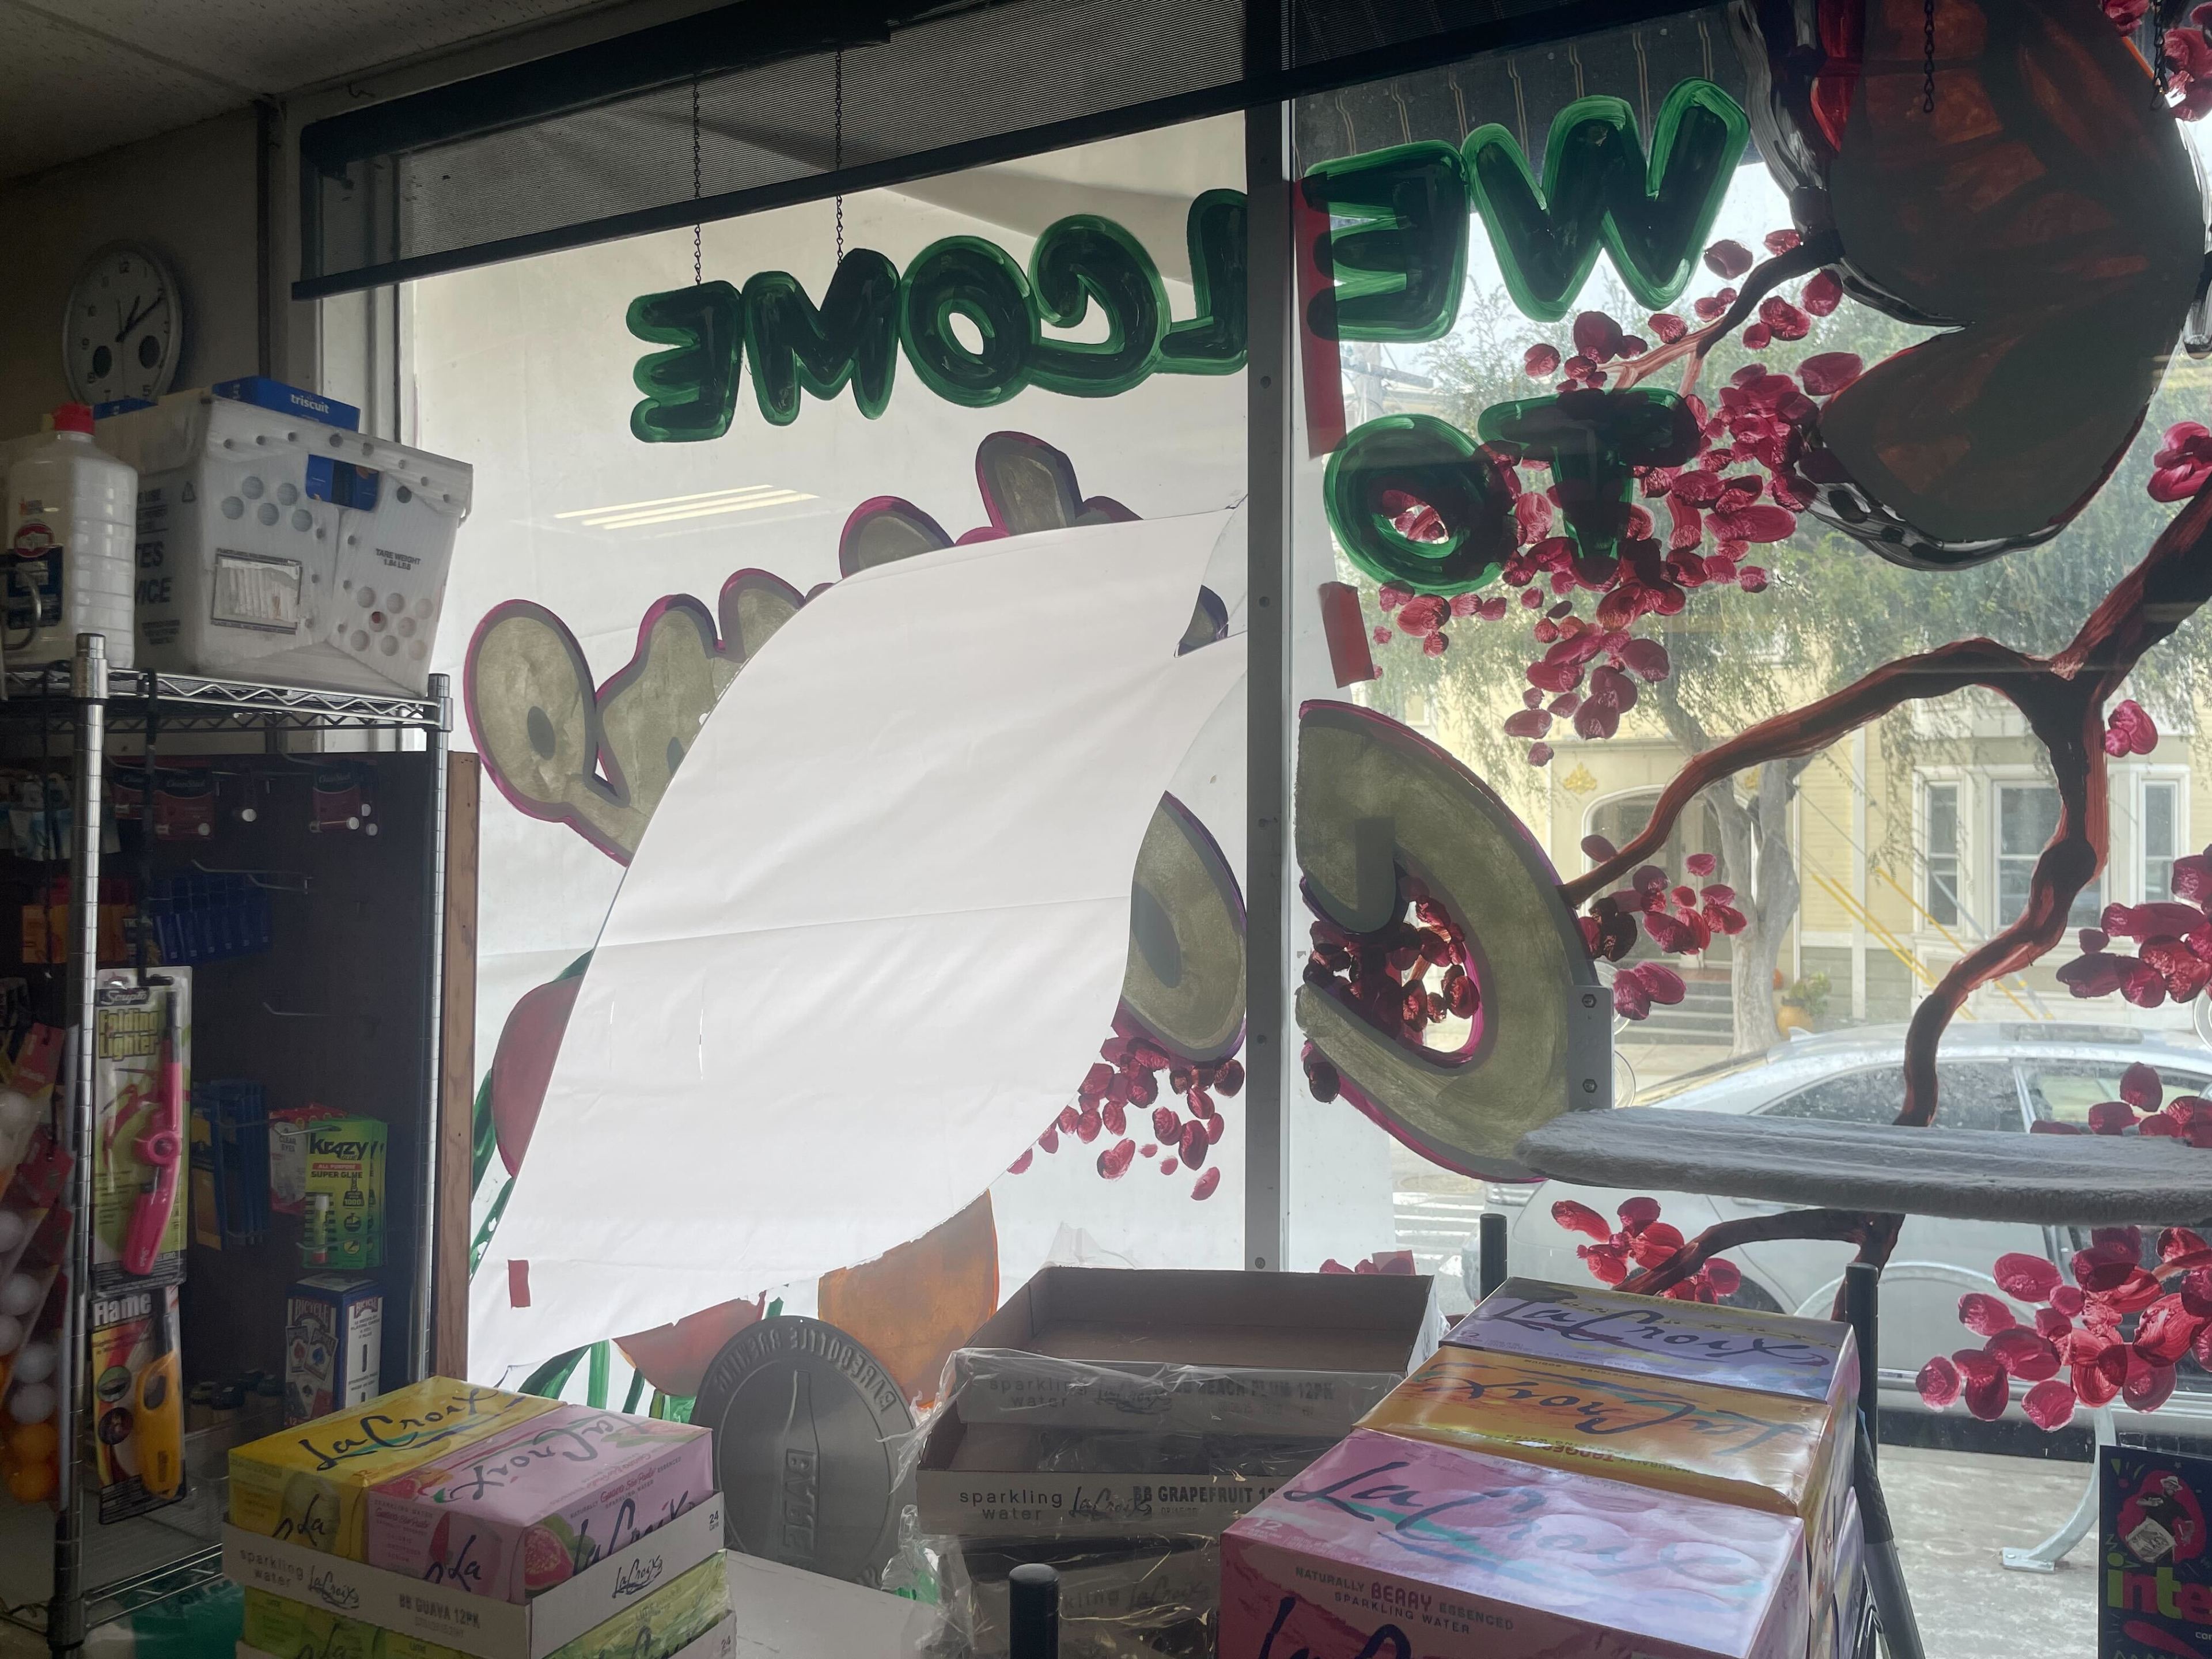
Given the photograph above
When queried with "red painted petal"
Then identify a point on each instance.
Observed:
(1829, 372)
(1542, 362)
(1638, 1212)
(1939, 1382)
(2141, 1088)
(1728, 259)
(2026, 1277)
(2050, 1405)
(1724, 1276)
(2147, 1386)
(1580, 1219)
(1984, 1316)
(1822, 294)
(2025, 1354)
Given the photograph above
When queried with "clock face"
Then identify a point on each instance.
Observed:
(123, 328)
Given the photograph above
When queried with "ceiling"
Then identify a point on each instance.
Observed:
(85, 75)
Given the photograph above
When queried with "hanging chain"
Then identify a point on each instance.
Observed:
(1928, 60)
(698, 267)
(837, 142)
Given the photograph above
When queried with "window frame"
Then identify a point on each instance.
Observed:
(2141, 783)
(2088, 904)
(1961, 789)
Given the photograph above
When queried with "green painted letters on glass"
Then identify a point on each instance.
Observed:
(1401, 463)
(1590, 439)
(852, 337)
(1080, 261)
(1213, 341)
(977, 280)
(691, 391)
(1599, 191)
(1397, 268)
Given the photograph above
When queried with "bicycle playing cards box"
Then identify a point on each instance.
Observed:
(2157, 1593)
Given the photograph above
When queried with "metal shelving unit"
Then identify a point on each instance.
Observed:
(88, 701)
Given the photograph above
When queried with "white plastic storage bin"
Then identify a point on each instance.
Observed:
(273, 547)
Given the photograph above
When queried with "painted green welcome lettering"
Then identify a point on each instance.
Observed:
(852, 337)
(1394, 465)
(1653, 217)
(1398, 259)
(997, 347)
(691, 391)
(1396, 248)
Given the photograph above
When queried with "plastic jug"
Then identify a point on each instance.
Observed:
(68, 545)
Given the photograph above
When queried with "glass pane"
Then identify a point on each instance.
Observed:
(1943, 853)
(2027, 814)
(639, 586)
(2064, 1090)
(1972, 1098)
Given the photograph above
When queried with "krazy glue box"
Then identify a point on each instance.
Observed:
(1387, 1546)
(2157, 1575)
(1777, 1453)
(516, 1515)
(345, 1162)
(137, 1387)
(130, 1020)
(288, 1154)
(305, 1485)
(333, 1345)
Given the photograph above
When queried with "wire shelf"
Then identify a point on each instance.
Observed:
(187, 702)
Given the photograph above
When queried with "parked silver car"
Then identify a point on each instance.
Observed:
(1994, 1077)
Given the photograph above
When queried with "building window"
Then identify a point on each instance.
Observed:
(2161, 838)
(1943, 853)
(2027, 817)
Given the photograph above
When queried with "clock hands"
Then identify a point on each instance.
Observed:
(137, 316)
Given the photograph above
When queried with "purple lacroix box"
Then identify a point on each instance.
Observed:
(1397, 1547)
(1688, 1341)
(517, 1514)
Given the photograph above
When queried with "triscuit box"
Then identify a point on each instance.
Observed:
(513, 1516)
(307, 1484)
(1778, 1453)
(129, 1026)
(1396, 1548)
(333, 1345)
(274, 548)
(138, 1388)
(1196, 1350)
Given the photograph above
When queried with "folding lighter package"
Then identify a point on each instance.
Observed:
(1400, 1547)
(1787, 1453)
(525, 1510)
(308, 1484)
(1155, 1599)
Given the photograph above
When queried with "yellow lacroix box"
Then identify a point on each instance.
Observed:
(305, 1485)
(1784, 1455)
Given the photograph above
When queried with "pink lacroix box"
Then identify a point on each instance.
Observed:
(1388, 1548)
(520, 1512)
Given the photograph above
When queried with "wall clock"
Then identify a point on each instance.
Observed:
(125, 323)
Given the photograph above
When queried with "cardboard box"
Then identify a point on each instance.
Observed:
(1204, 1352)
(1783, 1453)
(333, 1346)
(306, 1485)
(513, 1515)
(1686, 1341)
(719, 1643)
(476, 1624)
(1391, 1547)
(984, 1482)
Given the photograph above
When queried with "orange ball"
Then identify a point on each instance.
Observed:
(34, 1442)
(34, 1483)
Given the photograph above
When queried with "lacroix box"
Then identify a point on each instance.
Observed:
(307, 1484)
(1685, 1341)
(524, 1510)
(1388, 1546)
(1780, 1453)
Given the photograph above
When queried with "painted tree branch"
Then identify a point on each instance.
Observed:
(1847, 1226)
(2063, 698)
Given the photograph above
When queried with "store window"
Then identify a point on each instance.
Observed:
(1941, 857)
(2161, 837)
(1974, 1095)
(2027, 813)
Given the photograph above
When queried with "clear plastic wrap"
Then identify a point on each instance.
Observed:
(1005, 1385)
(1144, 1599)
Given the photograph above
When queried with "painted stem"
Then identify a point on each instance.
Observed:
(1849, 1226)
(2063, 698)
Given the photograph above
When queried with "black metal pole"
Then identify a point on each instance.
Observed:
(1033, 1612)
(1489, 1251)
(1862, 1308)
